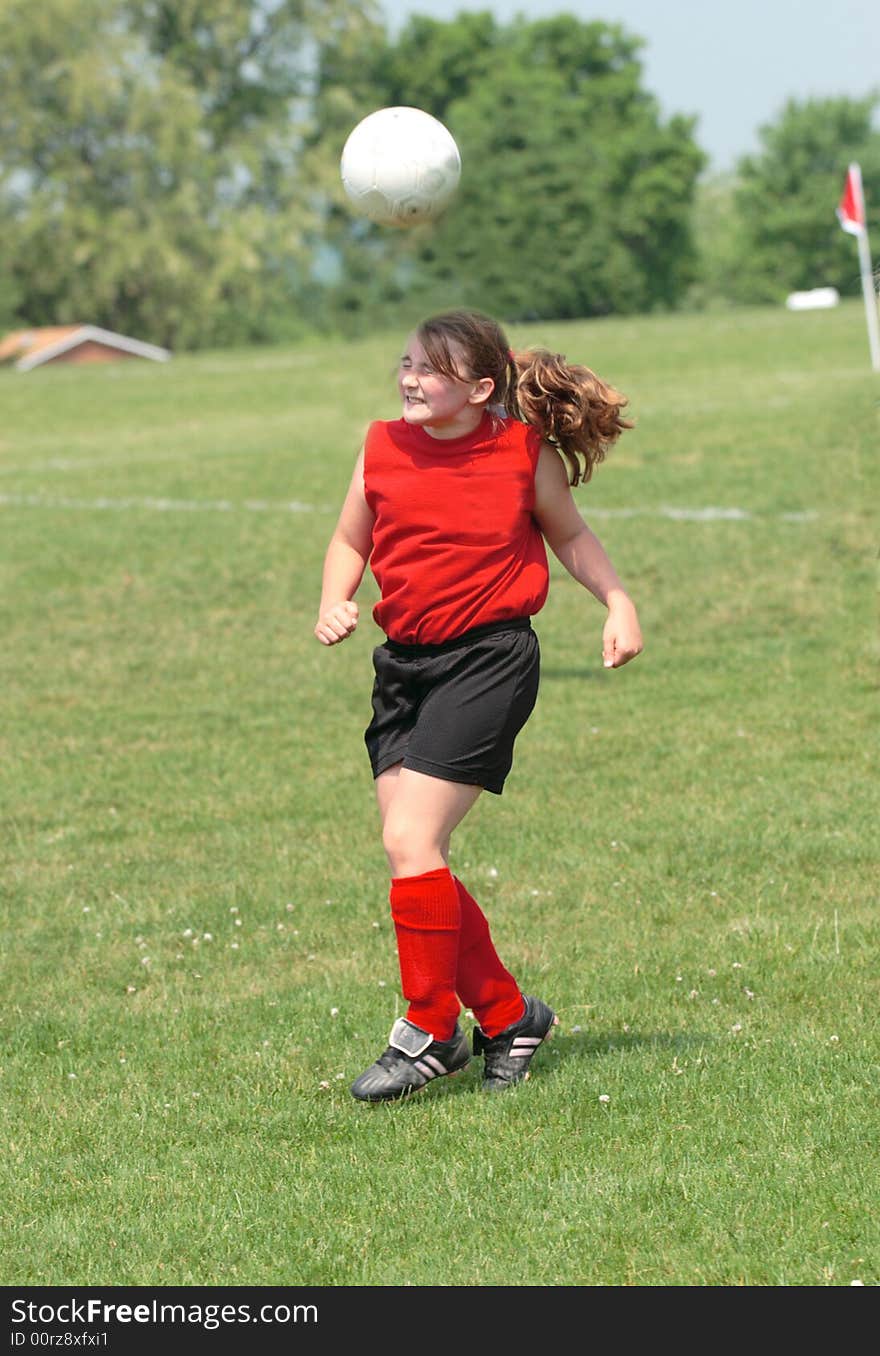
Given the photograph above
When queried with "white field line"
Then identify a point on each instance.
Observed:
(709, 514)
(157, 505)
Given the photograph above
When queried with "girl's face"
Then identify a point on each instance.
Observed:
(445, 406)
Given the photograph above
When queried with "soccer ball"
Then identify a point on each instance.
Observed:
(400, 167)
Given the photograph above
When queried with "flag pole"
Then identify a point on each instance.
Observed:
(870, 296)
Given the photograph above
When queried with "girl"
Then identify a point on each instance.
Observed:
(451, 504)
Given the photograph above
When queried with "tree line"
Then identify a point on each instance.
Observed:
(169, 169)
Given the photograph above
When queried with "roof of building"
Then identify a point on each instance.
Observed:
(37, 346)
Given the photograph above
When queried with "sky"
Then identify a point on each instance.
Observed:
(732, 63)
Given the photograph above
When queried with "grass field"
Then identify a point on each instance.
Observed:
(197, 952)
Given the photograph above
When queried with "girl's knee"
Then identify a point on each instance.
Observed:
(411, 847)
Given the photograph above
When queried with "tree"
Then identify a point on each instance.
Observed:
(716, 235)
(575, 196)
(789, 238)
(148, 162)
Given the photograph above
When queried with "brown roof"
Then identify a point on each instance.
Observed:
(20, 342)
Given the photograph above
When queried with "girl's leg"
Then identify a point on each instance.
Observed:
(418, 816)
(481, 981)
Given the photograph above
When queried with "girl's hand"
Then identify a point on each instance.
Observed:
(621, 635)
(337, 623)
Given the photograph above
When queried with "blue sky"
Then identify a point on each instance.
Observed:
(733, 65)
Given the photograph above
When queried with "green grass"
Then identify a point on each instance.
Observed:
(197, 953)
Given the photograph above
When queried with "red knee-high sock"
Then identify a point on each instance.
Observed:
(483, 984)
(427, 920)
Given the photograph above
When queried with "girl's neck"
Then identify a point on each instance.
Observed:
(468, 421)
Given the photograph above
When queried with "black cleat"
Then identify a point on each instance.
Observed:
(413, 1058)
(506, 1058)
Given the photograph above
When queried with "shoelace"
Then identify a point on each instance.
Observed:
(390, 1057)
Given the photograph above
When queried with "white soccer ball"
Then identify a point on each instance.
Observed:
(400, 167)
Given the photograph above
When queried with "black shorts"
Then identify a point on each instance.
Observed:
(454, 710)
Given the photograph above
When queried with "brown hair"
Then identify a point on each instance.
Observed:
(574, 409)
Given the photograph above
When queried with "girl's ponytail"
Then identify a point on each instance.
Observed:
(574, 409)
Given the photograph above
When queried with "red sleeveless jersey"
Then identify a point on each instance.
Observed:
(454, 541)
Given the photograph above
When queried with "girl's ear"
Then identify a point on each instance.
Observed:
(481, 391)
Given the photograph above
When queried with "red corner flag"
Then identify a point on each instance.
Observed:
(851, 215)
(851, 208)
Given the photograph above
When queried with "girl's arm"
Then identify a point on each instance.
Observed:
(345, 562)
(583, 555)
